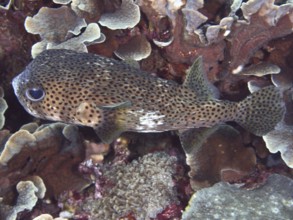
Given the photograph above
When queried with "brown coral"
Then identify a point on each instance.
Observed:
(266, 22)
(218, 154)
(52, 152)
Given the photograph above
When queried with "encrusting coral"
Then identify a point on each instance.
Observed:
(223, 201)
(142, 188)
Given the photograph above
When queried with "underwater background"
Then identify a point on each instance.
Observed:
(53, 170)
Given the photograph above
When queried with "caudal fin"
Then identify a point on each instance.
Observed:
(260, 112)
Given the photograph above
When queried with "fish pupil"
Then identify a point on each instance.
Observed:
(35, 94)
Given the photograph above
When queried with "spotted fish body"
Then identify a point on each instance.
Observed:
(113, 97)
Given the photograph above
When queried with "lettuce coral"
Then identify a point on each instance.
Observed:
(28, 194)
(264, 21)
(281, 138)
(54, 24)
(3, 107)
(58, 28)
(6, 5)
(137, 48)
(127, 16)
(52, 152)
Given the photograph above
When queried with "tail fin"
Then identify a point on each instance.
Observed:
(260, 112)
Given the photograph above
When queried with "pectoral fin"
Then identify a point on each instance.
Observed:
(115, 105)
(112, 125)
(108, 133)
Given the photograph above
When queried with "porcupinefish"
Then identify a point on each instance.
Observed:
(112, 97)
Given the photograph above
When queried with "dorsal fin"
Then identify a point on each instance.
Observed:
(197, 81)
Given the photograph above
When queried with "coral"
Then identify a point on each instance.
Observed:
(3, 107)
(4, 135)
(96, 152)
(215, 33)
(29, 193)
(224, 146)
(281, 54)
(57, 28)
(192, 16)
(62, 2)
(264, 21)
(161, 8)
(260, 69)
(6, 5)
(137, 48)
(223, 201)
(48, 217)
(143, 188)
(281, 138)
(241, 43)
(49, 23)
(14, 44)
(88, 9)
(57, 147)
(127, 16)
(161, 19)
(79, 43)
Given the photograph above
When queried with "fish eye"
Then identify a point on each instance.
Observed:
(35, 94)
